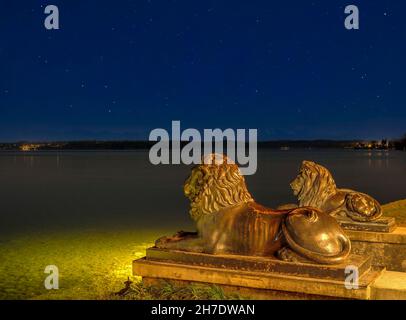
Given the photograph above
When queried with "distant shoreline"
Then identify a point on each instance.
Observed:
(145, 145)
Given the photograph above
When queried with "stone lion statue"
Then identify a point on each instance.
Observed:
(229, 221)
(315, 186)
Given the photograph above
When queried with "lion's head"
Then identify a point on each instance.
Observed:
(313, 185)
(215, 184)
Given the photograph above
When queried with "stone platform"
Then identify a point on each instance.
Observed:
(260, 264)
(383, 224)
(387, 249)
(268, 278)
(382, 240)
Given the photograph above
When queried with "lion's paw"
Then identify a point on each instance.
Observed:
(287, 254)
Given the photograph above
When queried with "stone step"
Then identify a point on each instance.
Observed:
(390, 285)
(387, 250)
(383, 224)
(264, 264)
(271, 284)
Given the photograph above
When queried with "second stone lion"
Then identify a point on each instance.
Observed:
(315, 187)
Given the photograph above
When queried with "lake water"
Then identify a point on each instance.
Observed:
(62, 190)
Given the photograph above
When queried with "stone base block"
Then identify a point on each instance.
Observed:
(387, 250)
(389, 286)
(243, 292)
(384, 224)
(262, 264)
(267, 279)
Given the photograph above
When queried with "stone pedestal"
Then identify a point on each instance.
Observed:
(260, 264)
(384, 224)
(387, 249)
(389, 286)
(262, 277)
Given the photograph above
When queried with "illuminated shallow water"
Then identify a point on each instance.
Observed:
(93, 264)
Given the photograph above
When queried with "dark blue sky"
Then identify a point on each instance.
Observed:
(118, 69)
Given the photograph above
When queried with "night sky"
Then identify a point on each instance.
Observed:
(118, 69)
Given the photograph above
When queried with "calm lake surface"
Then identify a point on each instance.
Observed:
(62, 190)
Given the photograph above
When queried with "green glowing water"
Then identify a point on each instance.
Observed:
(92, 264)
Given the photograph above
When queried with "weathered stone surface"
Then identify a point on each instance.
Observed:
(389, 286)
(396, 236)
(264, 264)
(383, 224)
(386, 249)
(396, 209)
(255, 280)
(246, 293)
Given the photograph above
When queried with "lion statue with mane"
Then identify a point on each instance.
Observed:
(229, 221)
(315, 186)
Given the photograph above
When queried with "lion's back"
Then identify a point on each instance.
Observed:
(241, 230)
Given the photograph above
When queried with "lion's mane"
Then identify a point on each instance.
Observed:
(220, 185)
(318, 185)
